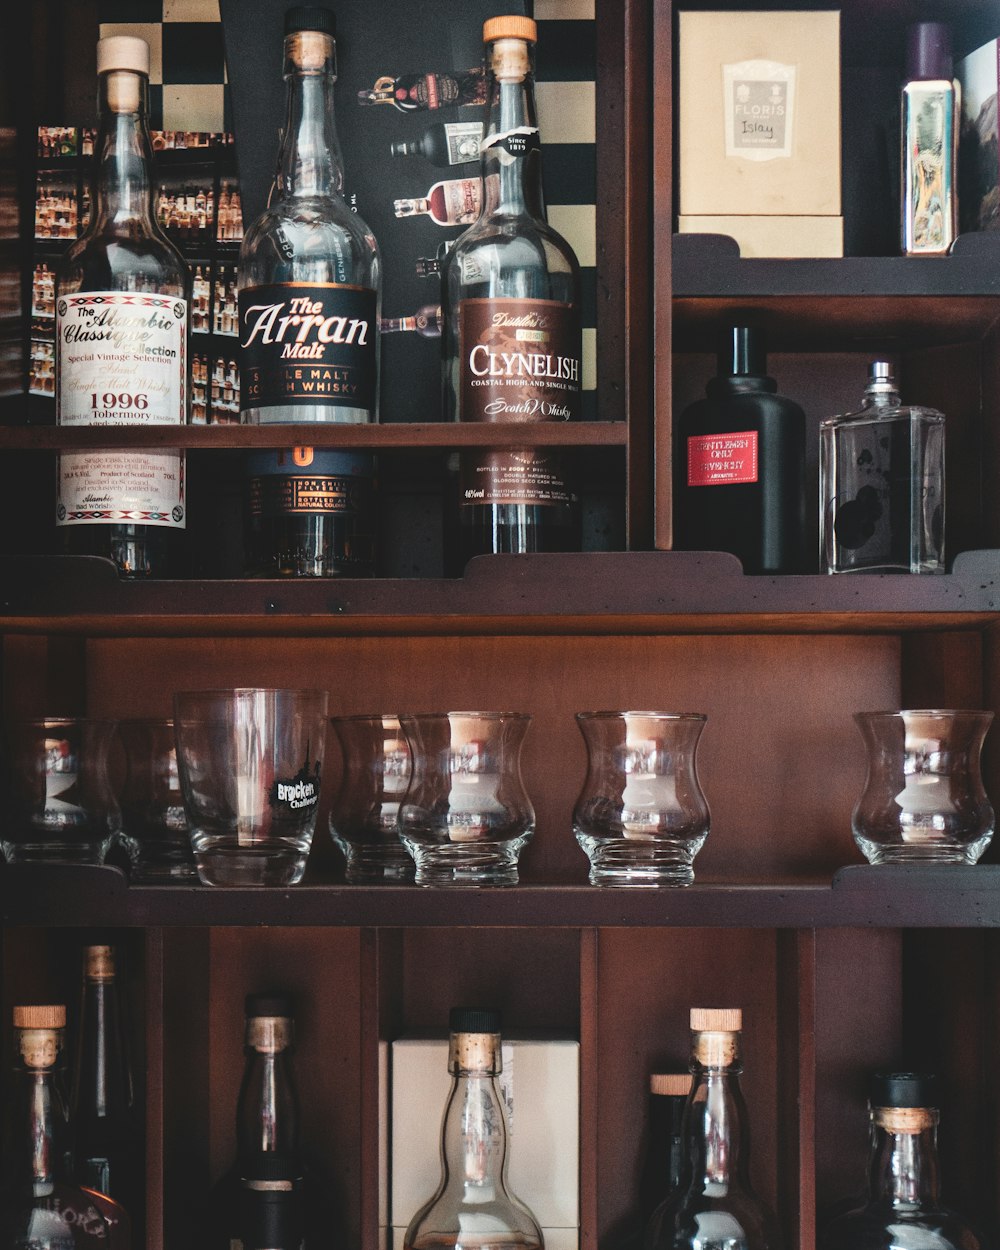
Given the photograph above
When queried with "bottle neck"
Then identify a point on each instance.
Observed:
(309, 161)
(716, 1127)
(904, 1161)
(511, 157)
(267, 1117)
(102, 1086)
(123, 189)
(881, 395)
(41, 1122)
(474, 1136)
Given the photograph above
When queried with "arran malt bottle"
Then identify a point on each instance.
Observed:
(122, 339)
(739, 465)
(40, 1207)
(512, 337)
(473, 1205)
(309, 269)
(107, 1144)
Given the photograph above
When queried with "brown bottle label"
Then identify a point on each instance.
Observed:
(519, 360)
(529, 475)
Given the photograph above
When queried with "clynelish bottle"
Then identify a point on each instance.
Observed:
(40, 1206)
(309, 268)
(512, 326)
(903, 1209)
(714, 1207)
(122, 341)
(739, 464)
(473, 1205)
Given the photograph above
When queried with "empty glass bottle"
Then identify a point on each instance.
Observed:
(903, 1210)
(473, 1206)
(714, 1207)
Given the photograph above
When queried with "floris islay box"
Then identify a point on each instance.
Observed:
(759, 130)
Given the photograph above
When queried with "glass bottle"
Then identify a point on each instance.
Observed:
(431, 266)
(40, 1207)
(453, 202)
(903, 1209)
(715, 1207)
(107, 1146)
(739, 464)
(931, 112)
(426, 322)
(444, 143)
(882, 484)
(122, 341)
(664, 1157)
(473, 1205)
(412, 93)
(512, 326)
(309, 267)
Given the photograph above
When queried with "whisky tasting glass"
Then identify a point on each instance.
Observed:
(641, 817)
(249, 762)
(155, 831)
(59, 804)
(923, 800)
(465, 817)
(364, 814)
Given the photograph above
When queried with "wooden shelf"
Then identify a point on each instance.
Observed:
(859, 896)
(589, 593)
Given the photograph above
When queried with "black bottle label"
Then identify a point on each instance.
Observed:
(305, 481)
(307, 343)
(722, 459)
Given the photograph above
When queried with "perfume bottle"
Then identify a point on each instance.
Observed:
(931, 115)
(882, 484)
(902, 1209)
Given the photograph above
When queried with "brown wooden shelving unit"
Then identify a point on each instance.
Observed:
(838, 967)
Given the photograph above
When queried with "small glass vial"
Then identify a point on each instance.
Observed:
(882, 484)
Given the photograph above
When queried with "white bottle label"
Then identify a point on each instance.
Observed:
(121, 361)
(759, 109)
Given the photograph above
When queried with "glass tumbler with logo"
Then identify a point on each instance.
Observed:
(250, 762)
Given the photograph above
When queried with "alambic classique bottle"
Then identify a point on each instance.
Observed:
(122, 341)
(473, 1205)
(106, 1138)
(40, 1206)
(309, 293)
(714, 1207)
(903, 1209)
(739, 464)
(512, 326)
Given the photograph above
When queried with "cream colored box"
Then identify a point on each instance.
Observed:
(540, 1085)
(759, 114)
(774, 236)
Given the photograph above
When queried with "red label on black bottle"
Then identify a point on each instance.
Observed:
(722, 459)
(306, 343)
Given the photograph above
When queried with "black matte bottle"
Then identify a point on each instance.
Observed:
(739, 465)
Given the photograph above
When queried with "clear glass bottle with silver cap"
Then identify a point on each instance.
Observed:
(473, 1205)
(882, 484)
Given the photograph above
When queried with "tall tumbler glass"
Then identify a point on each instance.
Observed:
(249, 763)
(155, 831)
(641, 816)
(465, 817)
(364, 814)
(58, 803)
(923, 800)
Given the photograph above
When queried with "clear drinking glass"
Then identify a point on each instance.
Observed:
(249, 763)
(364, 814)
(923, 800)
(641, 816)
(155, 831)
(59, 804)
(466, 817)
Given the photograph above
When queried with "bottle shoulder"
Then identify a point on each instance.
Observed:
(123, 263)
(922, 1228)
(309, 241)
(884, 415)
(730, 412)
(507, 233)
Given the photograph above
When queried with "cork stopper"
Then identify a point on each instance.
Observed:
(99, 963)
(716, 1019)
(123, 52)
(905, 1121)
(510, 27)
(48, 1017)
(474, 1044)
(670, 1084)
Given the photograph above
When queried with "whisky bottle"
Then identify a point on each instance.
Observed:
(40, 1207)
(664, 1156)
(311, 513)
(426, 322)
(881, 481)
(903, 1208)
(739, 464)
(512, 327)
(309, 267)
(122, 341)
(473, 1204)
(431, 266)
(453, 202)
(714, 1207)
(416, 92)
(445, 143)
(107, 1145)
